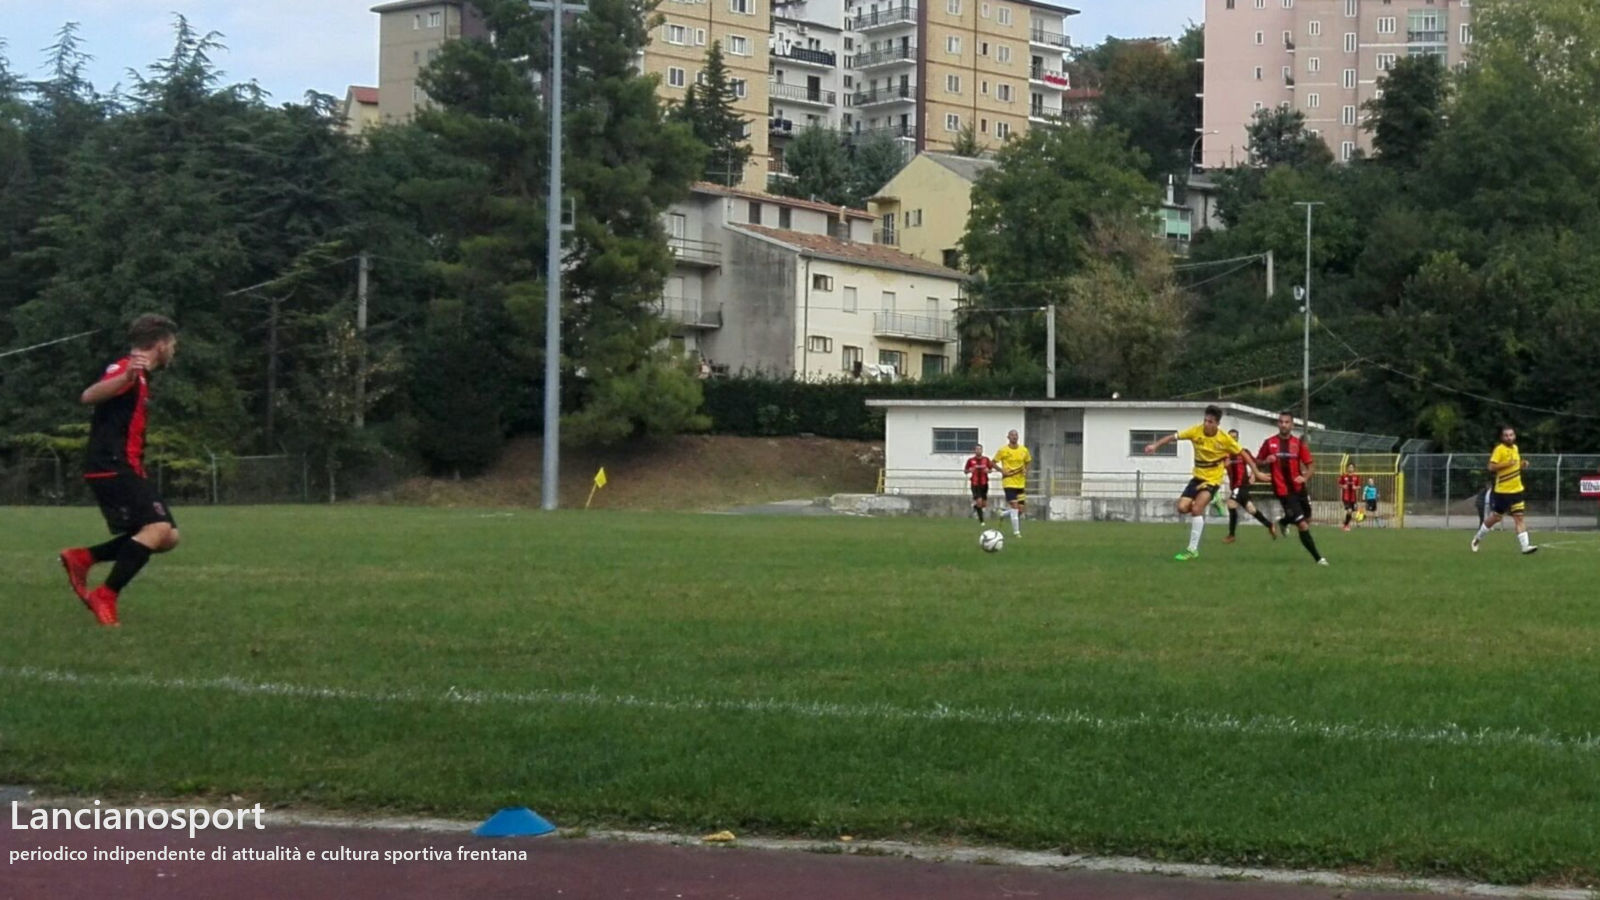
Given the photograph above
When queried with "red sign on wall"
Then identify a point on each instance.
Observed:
(1589, 485)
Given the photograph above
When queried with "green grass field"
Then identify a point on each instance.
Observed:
(1414, 707)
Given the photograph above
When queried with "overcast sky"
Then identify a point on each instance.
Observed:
(291, 46)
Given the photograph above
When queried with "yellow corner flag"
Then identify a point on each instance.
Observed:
(599, 482)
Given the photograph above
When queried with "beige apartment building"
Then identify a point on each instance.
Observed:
(926, 72)
(410, 35)
(1326, 58)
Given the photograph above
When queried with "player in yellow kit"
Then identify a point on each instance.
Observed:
(1212, 447)
(1506, 464)
(1013, 460)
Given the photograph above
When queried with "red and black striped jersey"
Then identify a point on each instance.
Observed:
(978, 470)
(1285, 458)
(116, 433)
(1237, 472)
(1348, 484)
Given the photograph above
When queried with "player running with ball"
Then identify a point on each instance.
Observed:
(1212, 448)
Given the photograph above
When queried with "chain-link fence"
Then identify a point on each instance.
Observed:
(1442, 488)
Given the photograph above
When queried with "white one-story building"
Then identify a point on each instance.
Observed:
(1088, 455)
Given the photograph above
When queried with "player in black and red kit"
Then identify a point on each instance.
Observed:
(1289, 461)
(1239, 494)
(139, 518)
(1349, 485)
(978, 469)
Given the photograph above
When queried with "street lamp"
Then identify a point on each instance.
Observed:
(1304, 295)
(1196, 145)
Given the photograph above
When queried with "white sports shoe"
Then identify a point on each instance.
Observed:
(1323, 561)
(1474, 545)
(1530, 549)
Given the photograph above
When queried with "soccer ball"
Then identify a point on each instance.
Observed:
(991, 541)
(1361, 516)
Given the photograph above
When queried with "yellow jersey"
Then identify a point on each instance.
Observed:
(1507, 481)
(1009, 458)
(1211, 452)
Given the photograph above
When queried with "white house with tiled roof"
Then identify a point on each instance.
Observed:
(791, 288)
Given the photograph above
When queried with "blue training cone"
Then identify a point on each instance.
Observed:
(514, 821)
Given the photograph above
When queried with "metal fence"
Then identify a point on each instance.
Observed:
(219, 480)
(1442, 487)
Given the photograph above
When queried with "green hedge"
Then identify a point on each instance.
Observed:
(838, 409)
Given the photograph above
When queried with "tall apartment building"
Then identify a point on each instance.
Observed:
(926, 72)
(1326, 58)
(808, 83)
(411, 33)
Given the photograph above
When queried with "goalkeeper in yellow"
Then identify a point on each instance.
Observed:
(1212, 447)
(1506, 464)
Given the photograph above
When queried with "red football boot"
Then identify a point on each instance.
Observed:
(102, 602)
(77, 562)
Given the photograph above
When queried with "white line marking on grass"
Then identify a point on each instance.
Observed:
(937, 853)
(1449, 734)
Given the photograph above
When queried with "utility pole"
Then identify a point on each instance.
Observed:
(1050, 352)
(363, 266)
(1272, 276)
(550, 480)
(1305, 296)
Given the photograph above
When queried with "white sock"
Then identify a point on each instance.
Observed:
(1197, 524)
(1524, 539)
(1482, 531)
(1016, 521)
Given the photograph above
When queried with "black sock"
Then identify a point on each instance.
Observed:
(1347, 519)
(108, 551)
(1262, 519)
(129, 561)
(979, 511)
(1310, 545)
(1233, 521)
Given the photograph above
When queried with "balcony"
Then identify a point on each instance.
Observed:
(1044, 114)
(913, 328)
(1051, 39)
(806, 56)
(1288, 81)
(888, 237)
(886, 18)
(1288, 44)
(800, 93)
(696, 253)
(893, 94)
(780, 127)
(691, 314)
(1054, 78)
(887, 56)
(1426, 37)
(901, 132)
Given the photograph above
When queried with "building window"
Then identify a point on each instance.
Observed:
(983, 126)
(741, 88)
(1288, 4)
(983, 87)
(1138, 440)
(755, 213)
(416, 22)
(1002, 92)
(1261, 39)
(819, 344)
(1350, 42)
(952, 122)
(435, 19)
(676, 77)
(1314, 64)
(1350, 9)
(1387, 24)
(897, 361)
(1259, 70)
(738, 45)
(785, 217)
(1314, 28)
(1260, 106)
(933, 365)
(952, 258)
(1003, 15)
(1466, 34)
(820, 282)
(1347, 151)
(852, 360)
(1002, 52)
(1002, 130)
(1349, 78)
(699, 37)
(677, 34)
(740, 6)
(849, 304)
(1385, 61)
(1288, 39)
(983, 48)
(954, 440)
(1348, 115)
(953, 7)
(888, 301)
(1230, 4)
(952, 45)
(952, 84)
(1313, 101)
(984, 10)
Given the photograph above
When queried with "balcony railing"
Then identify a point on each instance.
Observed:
(886, 236)
(806, 55)
(801, 93)
(885, 95)
(1049, 38)
(907, 132)
(780, 126)
(688, 250)
(1052, 77)
(690, 314)
(1426, 37)
(916, 328)
(885, 17)
(884, 57)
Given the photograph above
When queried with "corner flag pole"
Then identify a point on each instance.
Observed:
(599, 482)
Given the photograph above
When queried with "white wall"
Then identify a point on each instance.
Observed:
(1106, 450)
(826, 316)
(911, 464)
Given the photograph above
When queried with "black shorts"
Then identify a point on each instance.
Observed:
(1506, 503)
(980, 492)
(1296, 507)
(1241, 495)
(1349, 506)
(1016, 495)
(1372, 506)
(1196, 486)
(129, 503)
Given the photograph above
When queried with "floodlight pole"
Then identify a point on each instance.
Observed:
(549, 482)
(1305, 397)
(1050, 352)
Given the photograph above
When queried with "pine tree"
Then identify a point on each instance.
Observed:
(710, 112)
